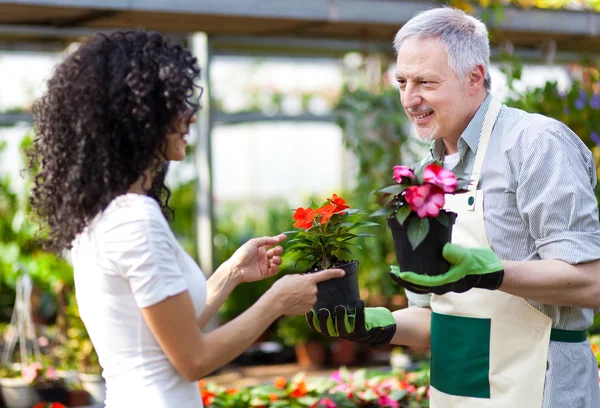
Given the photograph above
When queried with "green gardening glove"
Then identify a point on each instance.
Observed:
(373, 326)
(469, 268)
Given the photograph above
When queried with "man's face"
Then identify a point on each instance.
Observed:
(433, 97)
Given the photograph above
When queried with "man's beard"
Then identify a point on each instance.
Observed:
(431, 136)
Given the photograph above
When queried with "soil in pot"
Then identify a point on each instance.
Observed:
(427, 258)
(339, 291)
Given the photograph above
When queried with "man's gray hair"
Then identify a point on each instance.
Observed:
(464, 37)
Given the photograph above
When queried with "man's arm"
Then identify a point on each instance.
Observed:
(554, 282)
(413, 327)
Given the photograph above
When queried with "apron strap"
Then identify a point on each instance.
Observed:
(490, 118)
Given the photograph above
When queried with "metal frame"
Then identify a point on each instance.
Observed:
(375, 12)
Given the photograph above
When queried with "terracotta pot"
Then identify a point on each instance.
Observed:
(343, 352)
(311, 354)
(78, 398)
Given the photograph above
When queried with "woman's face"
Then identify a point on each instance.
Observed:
(176, 138)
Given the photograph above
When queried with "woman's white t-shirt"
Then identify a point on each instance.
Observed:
(125, 260)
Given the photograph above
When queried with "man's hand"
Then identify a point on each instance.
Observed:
(373, 326)
(469, 268)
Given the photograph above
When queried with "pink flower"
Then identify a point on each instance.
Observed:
(51, 373)
(30, 372)
(327, 403)
(336, 376)
(385, 401)
(445, 179)
(425, 200)
(402, 171)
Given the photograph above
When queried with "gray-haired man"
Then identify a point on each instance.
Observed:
(508, 333)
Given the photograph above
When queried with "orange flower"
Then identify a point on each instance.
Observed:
(304, 217)
(300, 390)
(280, 383)
(339, 202)
(201, 384)
(326, 212)
(231, 391)
(595, 348)
(273, 397)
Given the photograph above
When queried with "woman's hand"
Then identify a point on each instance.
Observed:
(296, 294)
(254, 261)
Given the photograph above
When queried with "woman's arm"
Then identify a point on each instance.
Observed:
(253, 261)
(196, 355)
(218, 287)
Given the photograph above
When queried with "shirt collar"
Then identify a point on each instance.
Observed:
(470, 136)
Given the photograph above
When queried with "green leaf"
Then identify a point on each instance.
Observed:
(403, 213)
(417, 231)
(383, 211)
(365, 235)
(443, 219)
(392, 189)
(365, 224)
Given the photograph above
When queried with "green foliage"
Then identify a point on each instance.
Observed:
(293, 330)
(20, 247)
(376, 132)
(326, 231)
(183, 201)
(234, 226)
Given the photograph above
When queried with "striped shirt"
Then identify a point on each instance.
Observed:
(538, 181)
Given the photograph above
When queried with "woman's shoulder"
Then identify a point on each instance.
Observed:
(131, 213)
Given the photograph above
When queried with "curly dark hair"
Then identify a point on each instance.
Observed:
(102, 122)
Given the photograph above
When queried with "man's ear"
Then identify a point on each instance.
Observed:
(476, 79)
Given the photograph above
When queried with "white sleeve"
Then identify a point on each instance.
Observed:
(142, 247)
(418, 299)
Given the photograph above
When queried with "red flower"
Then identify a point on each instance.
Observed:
(304, 217)
(207, 397)
(435, 174)
(326, 212)
(339, 202)
(49, 405)
(425, 200)
(300, 390)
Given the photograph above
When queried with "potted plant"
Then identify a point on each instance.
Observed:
(420, 227)
(323, 241)
(309, 346)
(16, 388)
(48, 385)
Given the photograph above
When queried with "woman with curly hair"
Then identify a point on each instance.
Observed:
(115, 112)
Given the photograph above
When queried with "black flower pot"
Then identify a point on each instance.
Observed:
(52, 391)
(339, 291)
(427, 258)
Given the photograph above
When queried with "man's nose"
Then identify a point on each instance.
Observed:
(411, 97)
